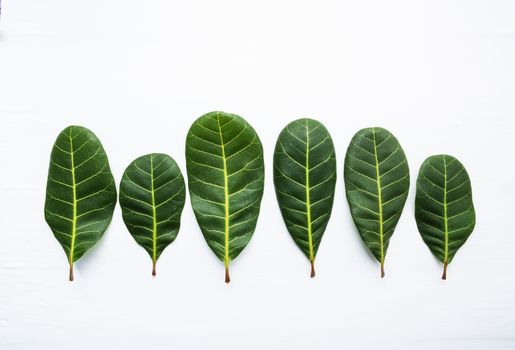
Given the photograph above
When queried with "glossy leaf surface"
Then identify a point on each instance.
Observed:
(224, 158)
(443, 206)
(305, 179)
(80, 194)
(377, 185)
(152, 195)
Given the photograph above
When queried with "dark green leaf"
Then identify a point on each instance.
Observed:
(377, 184)
(81, 193)
(305, 177)
(152, 198)
(224, 159)
(443, 206)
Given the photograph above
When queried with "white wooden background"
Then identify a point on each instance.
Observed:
(439, 74)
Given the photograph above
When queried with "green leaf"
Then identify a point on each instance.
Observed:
(224, 159)
(152, 197)
(305, 178)
(81, 193)
(377, 184)
(443, 206)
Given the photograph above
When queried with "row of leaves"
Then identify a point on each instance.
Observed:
(225, 171)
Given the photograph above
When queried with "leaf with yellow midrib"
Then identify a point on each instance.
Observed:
(444, 209)
(376, 184)
(305, 178)
(152, 195)
(224, 159)
(80, 193)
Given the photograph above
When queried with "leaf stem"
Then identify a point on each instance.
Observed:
(312, 268)
(70, 278)
(444, 275)
(153, 268)
(382, 269)
(227, 277)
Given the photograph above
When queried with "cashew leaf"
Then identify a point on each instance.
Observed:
(152, 195)
(80, 194)
(305, 178)
(224, 159)
(444, 210)
(376, 183)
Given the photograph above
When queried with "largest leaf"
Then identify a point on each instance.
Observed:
(81, 193)
(377, 184)
(443, 206)
(224, 159)
(305, 177)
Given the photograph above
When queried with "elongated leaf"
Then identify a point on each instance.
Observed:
(81, 193)
(377, 184)
(152, 197)
(443, 206)
(225, 167)
(305, 177)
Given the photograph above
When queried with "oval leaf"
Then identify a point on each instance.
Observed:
(305, 178)
(376, 184)
(443, 206)
(152, 197)
(81, 193)
(224, 159)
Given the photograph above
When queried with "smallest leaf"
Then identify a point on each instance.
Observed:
(444, 209)
(152, 195)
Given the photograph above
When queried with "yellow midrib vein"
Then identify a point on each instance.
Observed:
(308, 199)
(226, 195)
(379, 198)
(74, 191)
(446, 225)
(154, 219)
